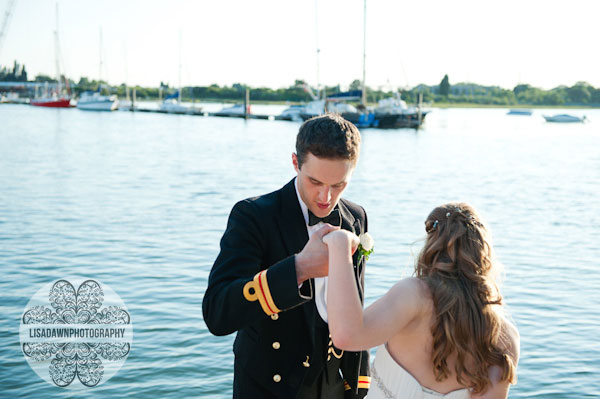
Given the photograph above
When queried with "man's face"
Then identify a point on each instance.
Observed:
(322, 181)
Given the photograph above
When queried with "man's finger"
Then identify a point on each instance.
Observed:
(325, 229)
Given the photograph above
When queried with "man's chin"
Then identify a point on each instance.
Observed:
(321, 213)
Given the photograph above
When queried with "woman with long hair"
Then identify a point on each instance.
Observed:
(442, 333)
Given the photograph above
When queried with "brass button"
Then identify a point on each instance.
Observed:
(274, 316)
(276, 378)
(276, 345)
(306, 363)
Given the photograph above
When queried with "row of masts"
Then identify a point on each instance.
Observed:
(318, 51)
(363, 99)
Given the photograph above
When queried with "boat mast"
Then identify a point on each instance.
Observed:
(179, 66)
(56, 52)
(126, 73)
(100, 65)
(363, 99)
(317, 46)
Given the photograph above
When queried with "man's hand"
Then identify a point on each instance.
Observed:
(313, 260)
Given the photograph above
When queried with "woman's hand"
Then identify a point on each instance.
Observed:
(342, 238)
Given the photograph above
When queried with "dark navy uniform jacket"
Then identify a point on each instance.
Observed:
(253, 289)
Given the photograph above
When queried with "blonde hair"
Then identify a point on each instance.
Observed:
(458, 266)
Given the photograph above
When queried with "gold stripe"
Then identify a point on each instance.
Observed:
(262, 295)
(364, 382)
(259, 294)
(268, 297)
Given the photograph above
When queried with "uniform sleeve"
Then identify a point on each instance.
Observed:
(364, 375)
(358, 381)
(241, 289)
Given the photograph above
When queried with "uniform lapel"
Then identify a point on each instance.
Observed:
(295, 236)
(293, 226)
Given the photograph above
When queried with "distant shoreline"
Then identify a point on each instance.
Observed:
(518, 106)
(434, 105)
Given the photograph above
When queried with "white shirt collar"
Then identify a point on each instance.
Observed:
(302, 204)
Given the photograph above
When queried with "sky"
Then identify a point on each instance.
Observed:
(271, 43)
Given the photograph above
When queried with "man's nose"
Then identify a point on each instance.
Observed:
(325, 194)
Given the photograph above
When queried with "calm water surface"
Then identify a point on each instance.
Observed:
(139, 201)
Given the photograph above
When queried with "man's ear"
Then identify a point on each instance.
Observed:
(295, 162)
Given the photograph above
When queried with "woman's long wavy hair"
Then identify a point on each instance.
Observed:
(458, 266)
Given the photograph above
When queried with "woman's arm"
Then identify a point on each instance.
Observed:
(350, 327)
(510, 342)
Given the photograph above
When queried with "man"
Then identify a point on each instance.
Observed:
(269, 281)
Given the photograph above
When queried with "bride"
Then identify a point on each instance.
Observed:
(440, 334)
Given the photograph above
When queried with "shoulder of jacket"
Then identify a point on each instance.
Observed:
(260, 203)
(356, 210)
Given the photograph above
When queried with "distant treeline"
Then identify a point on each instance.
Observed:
(581, 93)
(16, 74)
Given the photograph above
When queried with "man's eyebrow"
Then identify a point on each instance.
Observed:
(317, 181)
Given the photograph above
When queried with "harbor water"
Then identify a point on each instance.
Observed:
(139, 202)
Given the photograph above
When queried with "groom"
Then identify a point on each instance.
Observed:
(269, 281)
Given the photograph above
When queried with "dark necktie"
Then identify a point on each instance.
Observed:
(334, 218)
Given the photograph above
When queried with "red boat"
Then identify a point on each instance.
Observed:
(55, 98)
(54, 102)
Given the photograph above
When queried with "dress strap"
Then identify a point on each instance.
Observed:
(388, 394)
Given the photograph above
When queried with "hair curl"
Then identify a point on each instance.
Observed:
(458, 266)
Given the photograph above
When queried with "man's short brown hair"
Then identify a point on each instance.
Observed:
(328, 136)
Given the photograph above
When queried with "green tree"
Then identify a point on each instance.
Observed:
(521, 88)
(445, 86)
(580, 93)
(44, 78)
(356, 85)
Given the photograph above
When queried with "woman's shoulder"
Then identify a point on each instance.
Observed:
(414, 291)
(412, 285)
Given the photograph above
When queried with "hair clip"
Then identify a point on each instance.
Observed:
(432, 227)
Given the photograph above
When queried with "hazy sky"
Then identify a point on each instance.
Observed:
(273, 42)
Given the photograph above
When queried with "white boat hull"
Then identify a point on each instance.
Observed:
(98, 105)
(173, 107)
(564, 119)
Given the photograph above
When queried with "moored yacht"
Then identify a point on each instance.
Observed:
(234, 110)
(565, 118)
(393, 112)
(94, 101)
(172, 105)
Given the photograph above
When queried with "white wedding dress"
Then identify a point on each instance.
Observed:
(389, 380)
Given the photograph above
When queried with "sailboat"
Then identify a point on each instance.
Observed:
(390, 112)
(95, 100)
(172, 103)
(56, 99)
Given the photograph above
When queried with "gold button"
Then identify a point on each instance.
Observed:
(276, 345)
(306, 363)
(274, 316)
(276, 378)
